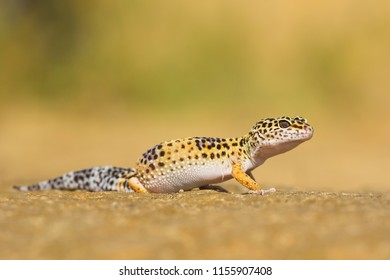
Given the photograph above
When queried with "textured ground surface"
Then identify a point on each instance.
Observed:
(333, 198)
(77, 91)
(194, 225)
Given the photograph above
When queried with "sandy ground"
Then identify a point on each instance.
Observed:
(332, 199)
(194, 225)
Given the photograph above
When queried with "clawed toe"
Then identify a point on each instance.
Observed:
(262, 191)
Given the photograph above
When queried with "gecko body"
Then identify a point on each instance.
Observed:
(187, 163)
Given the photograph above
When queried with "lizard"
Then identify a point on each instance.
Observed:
(193, 162)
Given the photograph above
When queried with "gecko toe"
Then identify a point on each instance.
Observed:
(262, 191)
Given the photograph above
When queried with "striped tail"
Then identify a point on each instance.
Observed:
(95, 179)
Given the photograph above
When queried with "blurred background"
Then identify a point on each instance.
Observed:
(86, 83)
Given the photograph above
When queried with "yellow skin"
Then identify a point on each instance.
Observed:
(187, 163)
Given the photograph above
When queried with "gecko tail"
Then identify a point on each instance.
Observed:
(95, 179)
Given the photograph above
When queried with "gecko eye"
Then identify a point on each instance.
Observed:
(284, 124)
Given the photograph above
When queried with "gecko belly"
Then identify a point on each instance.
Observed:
(188, 177)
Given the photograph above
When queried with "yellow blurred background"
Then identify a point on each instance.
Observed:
(86, 83)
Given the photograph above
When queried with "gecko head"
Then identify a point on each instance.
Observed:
(273, 136)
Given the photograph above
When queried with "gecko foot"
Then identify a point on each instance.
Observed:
(263, 192)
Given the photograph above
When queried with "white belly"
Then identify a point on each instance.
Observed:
(189, 177)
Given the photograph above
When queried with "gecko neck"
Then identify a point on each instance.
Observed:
(260, 151)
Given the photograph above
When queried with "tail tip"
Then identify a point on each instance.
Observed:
(21, 188)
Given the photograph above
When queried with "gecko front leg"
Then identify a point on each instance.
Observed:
(247, 180)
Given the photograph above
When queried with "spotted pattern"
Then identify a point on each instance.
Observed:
(277, 132)
(183, 163)
(192, 162)
(197, 161)
(93, 179)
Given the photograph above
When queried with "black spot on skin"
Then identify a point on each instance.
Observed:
(147, 170)
(196, 157)
(181, 159)
(183, 146)
(212, 155)
(57, 180)
(204, 155)
(235, 144)
(219, 146)
(218, 155)
(152, 166)
(223, 153)
(162, 153)
(159, 147)
(161, 164)
(155, 157)
(169, 144)
(226, 146)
